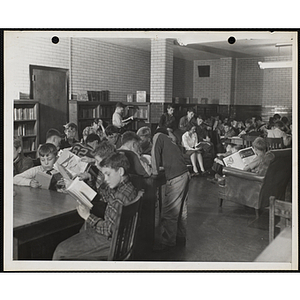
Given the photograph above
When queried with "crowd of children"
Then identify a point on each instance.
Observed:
(112, 154)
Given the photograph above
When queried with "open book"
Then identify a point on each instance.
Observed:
(128, 119)
(81, 192)
(78, 189)
(203, 145)
(240, 159)
(44, 180)
(71, 163)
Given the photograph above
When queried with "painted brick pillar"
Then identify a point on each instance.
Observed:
(161, 80)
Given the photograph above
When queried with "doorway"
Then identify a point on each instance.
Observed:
(50, 87)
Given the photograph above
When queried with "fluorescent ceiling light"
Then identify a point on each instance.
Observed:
(275, 64)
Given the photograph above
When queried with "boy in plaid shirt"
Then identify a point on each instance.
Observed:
(94, 242)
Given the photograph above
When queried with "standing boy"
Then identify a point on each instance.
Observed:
(174, 205)
(94, 242)
(117, 118)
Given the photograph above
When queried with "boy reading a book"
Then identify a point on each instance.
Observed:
(48, 155)
(94, 242)
(261, 163)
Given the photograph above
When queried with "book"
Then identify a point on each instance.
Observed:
(81, 192)
(240, 159)
(71, 162)
(44, 180)
(203, 145)
(128, 119)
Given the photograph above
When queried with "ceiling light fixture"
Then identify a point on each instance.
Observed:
(275, 64)
(283, 44)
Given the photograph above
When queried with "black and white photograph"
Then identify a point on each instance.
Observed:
(150, 150)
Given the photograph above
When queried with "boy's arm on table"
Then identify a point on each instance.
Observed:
(26, 177)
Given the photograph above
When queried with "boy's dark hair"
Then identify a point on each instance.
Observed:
(276, 117)
(285, 120)
(227, 124)
(111, 129)
(17, 142)
(46, 149)
(96, 121)
(120, 104)
(258, 118)
(92, 137)
(279, 124)
(170, 106)
(260, 144)
(249, 121)
(115, 161)
(129, 136)
(144, 131)
(191, 110)
(189, 126)
(53, 132)
(104, 149)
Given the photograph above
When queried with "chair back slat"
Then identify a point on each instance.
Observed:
(124, 235)
(281, 209)
(274, 143)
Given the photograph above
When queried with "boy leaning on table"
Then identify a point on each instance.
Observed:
(48, 155)
(93, 241)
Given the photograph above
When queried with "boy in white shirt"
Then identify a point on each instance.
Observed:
(48, 155)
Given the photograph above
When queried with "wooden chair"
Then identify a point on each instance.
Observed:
(284, 211)
(124, 235)
(248, 140)
(274, 143)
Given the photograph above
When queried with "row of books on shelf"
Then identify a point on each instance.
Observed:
(98, 95)
(24, 129)
(29, 145)
(141, 113)
(26, 113)
(106, 111)
(88, 113)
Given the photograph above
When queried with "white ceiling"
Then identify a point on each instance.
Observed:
(216, 47)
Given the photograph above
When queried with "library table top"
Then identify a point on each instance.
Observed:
(31, 205)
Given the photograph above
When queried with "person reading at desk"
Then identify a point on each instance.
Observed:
(48, 155)
(93, 241)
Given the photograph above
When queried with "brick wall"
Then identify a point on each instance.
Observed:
(242, 82)
(35, 50)
(94, 65)
(161, 70)
(207, 87)
(100, 66)
(182, 78)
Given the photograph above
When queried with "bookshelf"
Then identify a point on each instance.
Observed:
(82, 113)
(26, 125)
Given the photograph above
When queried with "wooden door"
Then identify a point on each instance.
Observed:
(49, 86)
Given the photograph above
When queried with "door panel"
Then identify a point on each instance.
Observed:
(50, 88)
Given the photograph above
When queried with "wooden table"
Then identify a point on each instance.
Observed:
(38, 214)
(280, 249)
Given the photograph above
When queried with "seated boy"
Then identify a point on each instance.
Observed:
(93, 243)
(93, 176)
(261, 163)
(218, 164)
(21, 162)
(48, 155)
